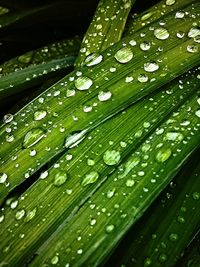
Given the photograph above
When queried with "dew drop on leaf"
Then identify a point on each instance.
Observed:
(111, 157)
(93, 59)
(60, 178)
(90, 178)
(163, 154)
(161, 33)
(39, 115)
(32, 137)
(151, 66)
(83, 83)
(124, 55)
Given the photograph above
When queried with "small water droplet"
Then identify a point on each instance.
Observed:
(44, 175)
(179, 15)
(93, 222)
(32, 137)
(192, 48)
(104, 96)
(130, 183)
(20, 214)
(110, 228)
(2, 218)
(181, 219)
(93, 59)
(55, 260)
(90, 178)
(30, 215)
(151, 66)
(90, 162)
(147, 262)
(60, 178)
(173, 237)
(174, 136)
(145, 46)
(83, 83)
(163, 154)
(7, 118)
(196, 196)
(39, 115)
(161, 33)
(132, 42)
(3, 178)
(14, 204)
(143, 78)
(197, 113)
(162, 257)
(26, 58)
(124, 55)
(70, 92)
(111, 157)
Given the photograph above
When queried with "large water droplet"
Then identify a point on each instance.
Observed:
(179, 15)
(74, 138)
(30, 215)
(151, 66)
(60, 178)
(161, 33)
(163, 154)
(124, 55)
(104, 96)
(174, 136)
(93, 59)
(39, 115)
(194, 32)
(20, 214)
(3, 178)
(83, 83)
(170, 2)
(90, 178)
(111, 157)
(32, 137)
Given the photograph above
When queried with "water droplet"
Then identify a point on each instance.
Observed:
(44, 175)
(39, 115)
(74, 138)
(130, 183)
(145, 46)
(132, 42)
(32, 152)
(1, 218)
(14, 204)
(151, 66)
(111, 157)
(180, 34)
(174, 136)
(173, 237)
(60, 178)
(179, 15)
(124, 55)
(163, 154)
(194, 32)
(196, 196)
(93, 221)
(3, 178)
(70, 92)
(162, 257)
(197, 113)
(104, 96)
(20, 214)
(110, 193)
(93, 59)
(170, 2)
(32, 137)
(143, 78)
(55, 260)
(147, 262)
(30, 215)
(90, 162)
(7, 118)
(90, 178)
(26, 58)
(79, 251)
(110, 228)
(83, 83)
(181, 219)
(161, 33)
(192, 48)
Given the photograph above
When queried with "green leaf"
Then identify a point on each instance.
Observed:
(104, 89)
(89, 165)
(160, 243)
